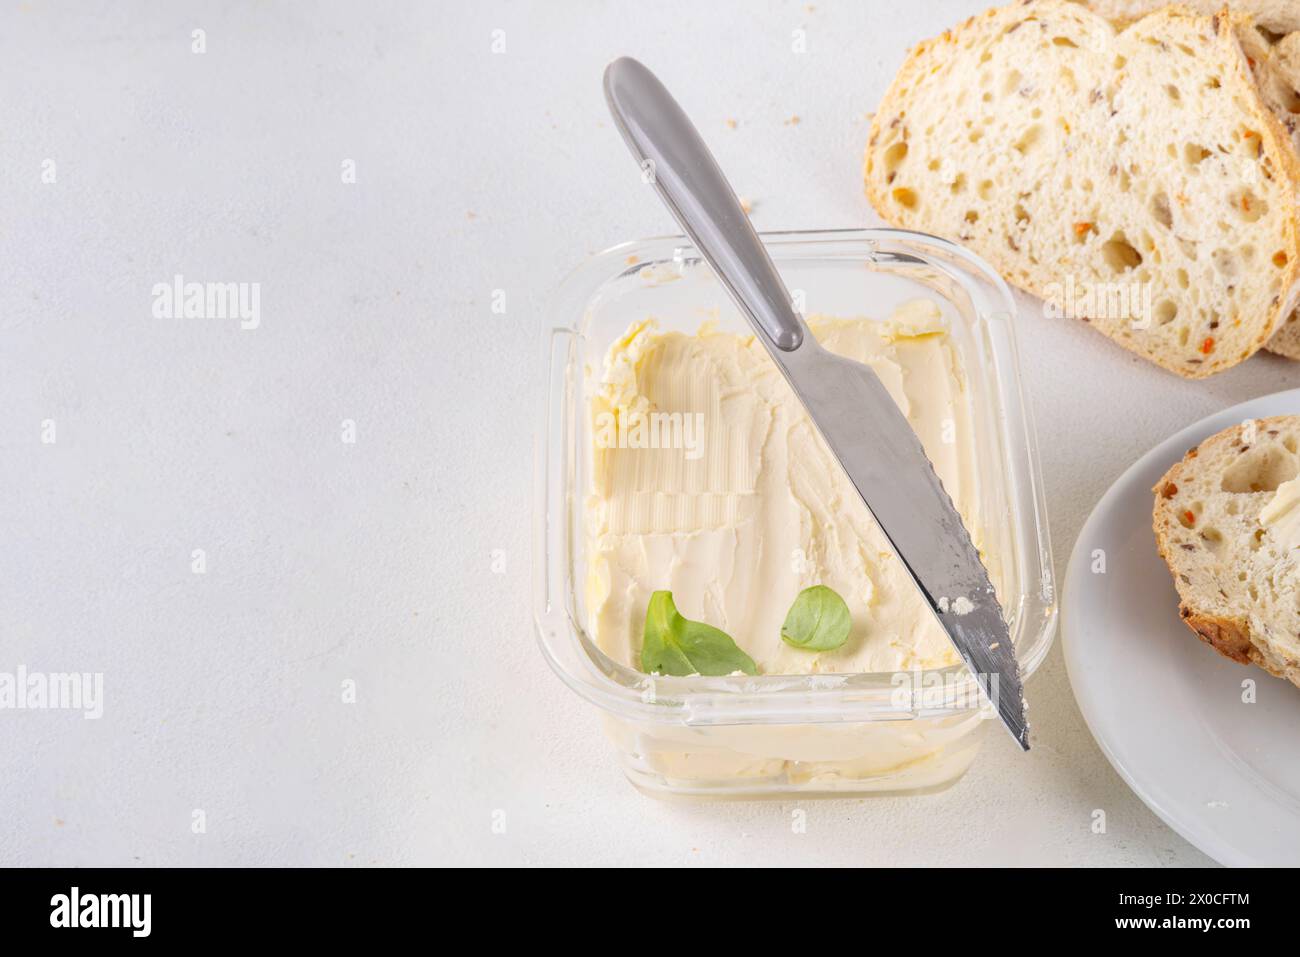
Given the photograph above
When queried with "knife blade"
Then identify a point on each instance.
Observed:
(855, 414)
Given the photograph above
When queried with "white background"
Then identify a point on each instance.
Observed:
(476, 171)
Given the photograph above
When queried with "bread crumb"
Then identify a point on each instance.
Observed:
(732, 124)
(747, 205)
(793, 121)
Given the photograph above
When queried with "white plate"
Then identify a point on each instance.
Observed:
(1167, 709)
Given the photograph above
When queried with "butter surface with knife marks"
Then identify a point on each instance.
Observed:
(756, 509)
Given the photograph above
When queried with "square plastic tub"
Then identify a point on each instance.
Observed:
(773, 735)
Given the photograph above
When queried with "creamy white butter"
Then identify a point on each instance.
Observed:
(1281, 516)
(709, 480)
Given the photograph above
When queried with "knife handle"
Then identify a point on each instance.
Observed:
(675, 160)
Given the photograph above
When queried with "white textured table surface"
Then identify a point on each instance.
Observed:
(372, 561)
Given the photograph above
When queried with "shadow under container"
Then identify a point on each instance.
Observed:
(780, 735)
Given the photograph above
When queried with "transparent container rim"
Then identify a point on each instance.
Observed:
(766, 699)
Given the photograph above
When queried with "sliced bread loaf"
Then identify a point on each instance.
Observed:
(1276, 16)
(1227, 523)
(1099, 168)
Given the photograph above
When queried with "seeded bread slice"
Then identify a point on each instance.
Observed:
(1079, 158)
(1273, 54)
(1238, 582)
(1272, 49)
(1277, 71)
(1276, 16)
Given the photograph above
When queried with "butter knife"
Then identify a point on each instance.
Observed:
(853, 411)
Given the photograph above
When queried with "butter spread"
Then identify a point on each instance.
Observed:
(708, 479)
(1281, 515)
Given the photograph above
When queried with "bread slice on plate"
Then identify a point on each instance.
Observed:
(1276, 16)
(1227, 523)
(1132, 177)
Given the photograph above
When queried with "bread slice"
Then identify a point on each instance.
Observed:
(1083, 161)
(1277, 71)
(1238, 578)
(1272, 47)
(1276, 16)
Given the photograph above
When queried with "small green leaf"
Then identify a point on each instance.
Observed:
(817, 621)
(673, 645)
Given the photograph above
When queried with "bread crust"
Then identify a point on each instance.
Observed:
(1275, 143)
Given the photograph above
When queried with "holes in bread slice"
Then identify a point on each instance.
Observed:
(1189, 515)
(1260, 469)
(1194, 154)
(905, 197)
(1160, 210)
(894, 156)
(1119, 254)
(1252, 143)
(1224, 263)
(1248, 207)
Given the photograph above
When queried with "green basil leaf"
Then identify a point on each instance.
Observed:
(817, 621)
(673, 645)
